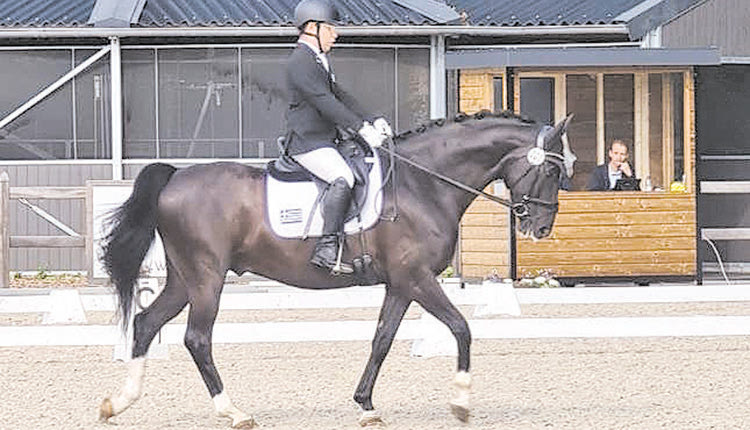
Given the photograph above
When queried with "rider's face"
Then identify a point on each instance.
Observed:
(328, 37)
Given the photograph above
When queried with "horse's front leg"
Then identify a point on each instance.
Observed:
(391, 314)
(433, 299)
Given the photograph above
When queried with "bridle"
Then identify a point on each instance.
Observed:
(536, 157)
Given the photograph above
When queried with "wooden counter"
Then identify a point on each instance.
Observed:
(596, 234)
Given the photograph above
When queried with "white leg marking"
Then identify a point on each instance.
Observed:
(133, 385)
(460, 403)
(370, 419)
(225, 408)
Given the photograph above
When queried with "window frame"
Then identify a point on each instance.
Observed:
(642, 114)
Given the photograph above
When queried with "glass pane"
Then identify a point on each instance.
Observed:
(619, 112)
(656, 130)
(139, 103)
(538, 99)
(198, 103)
(677, 126)
(369, 76)
(93, 132)
(264, 101)
(413, 88)
(497, 93)
(45, 131)
(581, 101)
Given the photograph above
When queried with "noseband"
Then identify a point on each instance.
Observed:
(536, 157)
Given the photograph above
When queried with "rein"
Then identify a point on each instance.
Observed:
(537, 156)
(455, 183)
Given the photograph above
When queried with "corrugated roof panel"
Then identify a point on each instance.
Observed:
(45, 13)
(232, 13)
(542, 12)
(171, 13)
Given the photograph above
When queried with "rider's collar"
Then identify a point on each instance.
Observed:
(310, 45)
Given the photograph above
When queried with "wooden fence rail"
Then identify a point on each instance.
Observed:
(20, 193)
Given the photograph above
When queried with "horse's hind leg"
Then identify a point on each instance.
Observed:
(433, 300)
(204, 305)
(146, 325)
(391, 314)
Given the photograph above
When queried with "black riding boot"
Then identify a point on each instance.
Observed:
(335, 205)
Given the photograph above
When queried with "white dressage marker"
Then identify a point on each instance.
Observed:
(147, 291)
(500, 299)
(436, 340)
(65, 307)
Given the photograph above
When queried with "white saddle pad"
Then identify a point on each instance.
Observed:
(290, 203)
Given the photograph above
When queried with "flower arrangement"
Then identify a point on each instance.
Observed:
(542, 278)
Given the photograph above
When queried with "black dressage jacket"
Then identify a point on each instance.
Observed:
(317, 105)
(599, 179)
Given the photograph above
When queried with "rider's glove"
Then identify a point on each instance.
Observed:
(382, 126)
(371, 135)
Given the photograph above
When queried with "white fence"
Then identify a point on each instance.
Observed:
(489, 299)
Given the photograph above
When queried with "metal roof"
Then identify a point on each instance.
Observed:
(232, 13)
(45, 13)
(274, 13)
(542, 12)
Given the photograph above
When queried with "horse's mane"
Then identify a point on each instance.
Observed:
(462, 117)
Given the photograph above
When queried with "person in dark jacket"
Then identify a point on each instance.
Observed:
(605, 176)
(317, 107)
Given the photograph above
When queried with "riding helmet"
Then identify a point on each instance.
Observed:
(315, 10)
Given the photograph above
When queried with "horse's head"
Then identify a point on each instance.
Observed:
(534, 174)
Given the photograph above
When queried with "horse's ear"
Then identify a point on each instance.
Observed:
(553, 142)
(562, 126)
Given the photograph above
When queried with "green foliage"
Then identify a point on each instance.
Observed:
(448, 272)
(41, 273)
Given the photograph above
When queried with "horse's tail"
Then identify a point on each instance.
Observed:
(132, 229)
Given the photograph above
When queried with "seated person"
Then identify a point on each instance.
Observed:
(605, 176)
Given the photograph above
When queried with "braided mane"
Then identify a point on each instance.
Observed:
(461, 117)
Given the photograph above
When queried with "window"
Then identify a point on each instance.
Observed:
(198, 103)
(538, 99)
(44, 132)
(582, 134)
(643, 109)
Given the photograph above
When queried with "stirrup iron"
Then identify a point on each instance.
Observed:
(339, 268)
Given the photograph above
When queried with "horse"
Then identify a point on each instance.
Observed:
(211, 219)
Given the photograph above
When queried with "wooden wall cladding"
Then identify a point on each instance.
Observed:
(617, 234)
(484, 240)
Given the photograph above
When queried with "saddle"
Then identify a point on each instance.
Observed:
(294, 195)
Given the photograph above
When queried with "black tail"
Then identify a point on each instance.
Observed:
(133, 226)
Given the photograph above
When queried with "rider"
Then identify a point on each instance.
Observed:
(317, 106)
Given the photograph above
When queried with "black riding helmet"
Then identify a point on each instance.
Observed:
(315, 10)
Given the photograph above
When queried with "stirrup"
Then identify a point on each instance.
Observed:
(341, 268)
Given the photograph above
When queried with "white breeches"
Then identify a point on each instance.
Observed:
(327, 164)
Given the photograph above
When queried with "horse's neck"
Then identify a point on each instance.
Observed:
(473, 162)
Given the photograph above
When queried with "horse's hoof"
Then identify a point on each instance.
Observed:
(371, 419)
(105, 410)
(246, 423)
(460, 412)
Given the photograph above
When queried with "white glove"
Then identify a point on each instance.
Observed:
(383, 127)
(371, 135)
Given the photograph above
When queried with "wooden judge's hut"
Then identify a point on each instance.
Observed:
(628, 71)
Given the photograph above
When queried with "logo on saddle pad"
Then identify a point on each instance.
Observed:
(290, 205)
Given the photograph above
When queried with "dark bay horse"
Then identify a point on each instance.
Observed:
(211, 219)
